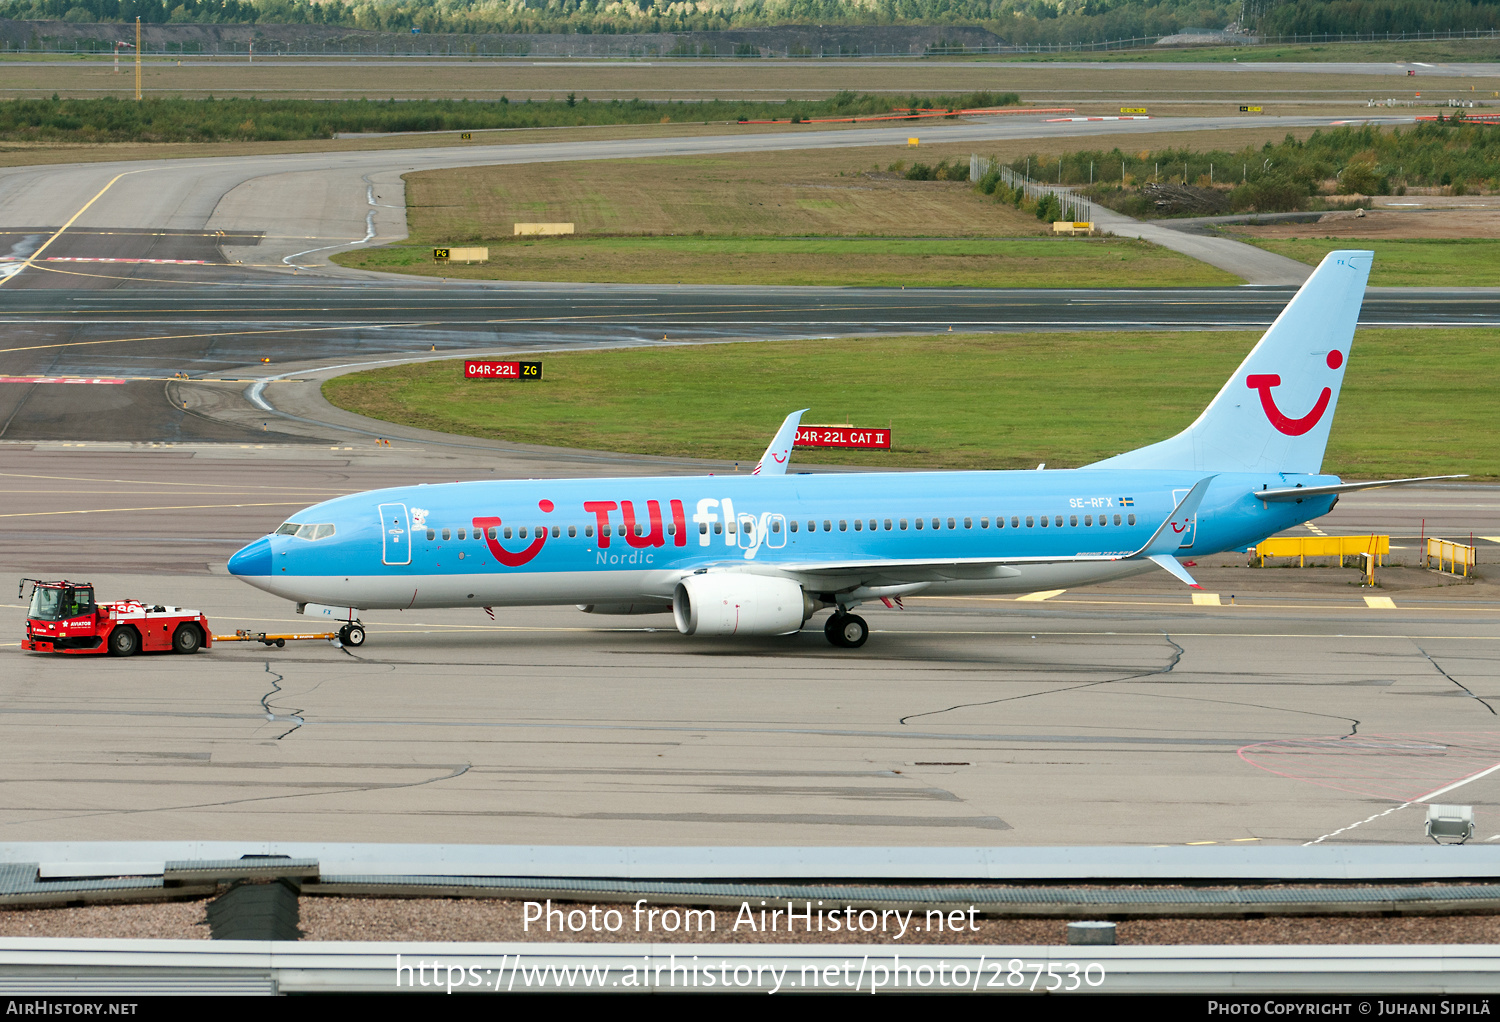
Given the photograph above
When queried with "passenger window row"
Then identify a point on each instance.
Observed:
(859, 524)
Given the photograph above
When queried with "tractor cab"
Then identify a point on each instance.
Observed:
(60, 601)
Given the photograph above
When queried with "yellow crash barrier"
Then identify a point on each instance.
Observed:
(1303, 547)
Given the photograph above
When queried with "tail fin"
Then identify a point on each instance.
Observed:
(1275, 412)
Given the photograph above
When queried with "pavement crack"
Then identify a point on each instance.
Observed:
(1170, 666)
(272, 715)
(1467, 691)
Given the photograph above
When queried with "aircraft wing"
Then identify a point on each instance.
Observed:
(774, 461)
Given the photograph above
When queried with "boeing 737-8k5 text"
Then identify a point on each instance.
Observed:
(761, 554)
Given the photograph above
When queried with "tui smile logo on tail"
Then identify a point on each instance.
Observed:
(1285, 423)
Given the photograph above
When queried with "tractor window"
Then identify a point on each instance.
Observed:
(46, 604)
(78, 602)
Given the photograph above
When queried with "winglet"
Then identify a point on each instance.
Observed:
(1174, 566)
(1164, 540)
(774, 461)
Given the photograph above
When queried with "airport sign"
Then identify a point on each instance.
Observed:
(843, 436)
(502, 370)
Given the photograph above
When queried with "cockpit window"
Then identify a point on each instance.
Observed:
(310, 531)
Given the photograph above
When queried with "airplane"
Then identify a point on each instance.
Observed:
(761, 554)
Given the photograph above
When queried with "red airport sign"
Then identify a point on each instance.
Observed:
(843, 436)
(502, 370)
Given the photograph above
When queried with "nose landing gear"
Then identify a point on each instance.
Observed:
(846, 630)
(352, 634)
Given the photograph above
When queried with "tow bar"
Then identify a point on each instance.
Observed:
(245, 635)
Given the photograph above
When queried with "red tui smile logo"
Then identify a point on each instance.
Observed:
(1285, 423)
(489, 527)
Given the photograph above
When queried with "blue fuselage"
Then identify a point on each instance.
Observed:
(593, 540)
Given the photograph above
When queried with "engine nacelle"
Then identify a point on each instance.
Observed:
(733, 603)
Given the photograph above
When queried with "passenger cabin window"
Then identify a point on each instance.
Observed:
(827, 525)
(1073, 520)
(794, 525)
(952, 524)
(859, 526)
(936, 524)
(903, 525)
(572, 531)
(447, 535)
(588, 530)
(463, 534)
(776, 524)
(556, 531)
(1030, 521)
(968, 523)
(843, 525)
(1117, 519)
(507, 532)
(919, 522)
(1130, 519)
(887, 525)
(1044, 521)
(1015, 522)
(432, 534)
(1088, 520)
(1057, 521)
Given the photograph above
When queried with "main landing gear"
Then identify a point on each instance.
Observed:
(847, 630)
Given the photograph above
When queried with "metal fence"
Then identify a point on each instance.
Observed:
(1074, 206)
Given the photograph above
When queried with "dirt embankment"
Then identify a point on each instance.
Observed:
(1386, 224)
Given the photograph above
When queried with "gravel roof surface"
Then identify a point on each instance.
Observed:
(475, 919)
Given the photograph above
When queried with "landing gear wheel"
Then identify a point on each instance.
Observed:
(187, 639)
(847, 630)
(124, 641)
(352, 635)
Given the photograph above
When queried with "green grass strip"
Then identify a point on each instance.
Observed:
(1435, 262)
(1415, 401)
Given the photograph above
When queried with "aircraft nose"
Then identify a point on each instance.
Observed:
(254, 559)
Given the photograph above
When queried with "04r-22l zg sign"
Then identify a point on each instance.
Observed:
(502, 370)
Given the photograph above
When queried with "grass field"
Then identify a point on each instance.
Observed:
(831, 217)
(1418, 262)
(1106, 82)
(1414, 402)
(817, 261)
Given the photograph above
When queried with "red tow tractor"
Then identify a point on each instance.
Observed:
(63, 618)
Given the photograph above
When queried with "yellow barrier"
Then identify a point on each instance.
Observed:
(1459, 558)
(544, 229)
(1073, 227)
(460, 255)
(1303, 547)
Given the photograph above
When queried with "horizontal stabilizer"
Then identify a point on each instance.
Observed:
(1175, 568)
(1303, 492)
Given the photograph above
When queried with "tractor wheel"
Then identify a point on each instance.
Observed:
(187, 639)
(124, 641)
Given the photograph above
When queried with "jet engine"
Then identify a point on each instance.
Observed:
(734, 603)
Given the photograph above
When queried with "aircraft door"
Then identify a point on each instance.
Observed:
(395, 534)
(1192, 528)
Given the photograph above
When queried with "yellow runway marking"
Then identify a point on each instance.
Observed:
(1045, 594)
(31, 259)
(1491, 539)
(175, 507)
(152, 482)
(1206, 600)
(224, 333)
(1380, 602)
